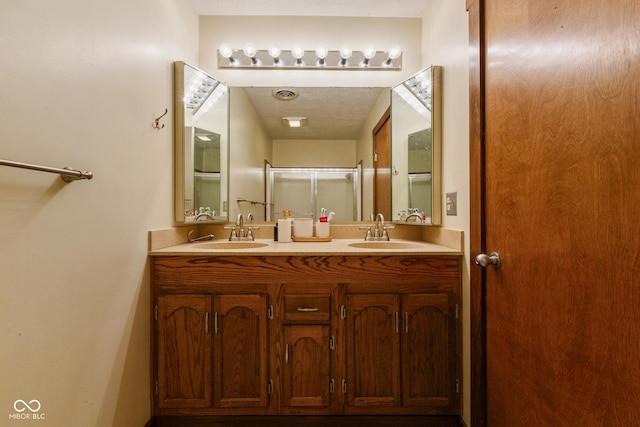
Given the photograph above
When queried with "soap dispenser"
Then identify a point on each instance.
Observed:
(284, 227)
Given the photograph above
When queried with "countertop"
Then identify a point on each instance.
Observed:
(334, 247)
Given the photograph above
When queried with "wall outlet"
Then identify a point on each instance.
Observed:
(225, 206)
(452, 203)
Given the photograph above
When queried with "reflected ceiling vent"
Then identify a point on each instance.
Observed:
(285, 94)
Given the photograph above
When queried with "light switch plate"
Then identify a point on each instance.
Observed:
(452, 203)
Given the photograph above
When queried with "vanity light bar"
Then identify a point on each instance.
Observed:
(249, 58)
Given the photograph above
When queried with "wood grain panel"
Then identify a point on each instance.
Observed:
(184, 344)
(562, 207)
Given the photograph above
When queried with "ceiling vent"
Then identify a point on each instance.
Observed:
(285, 94)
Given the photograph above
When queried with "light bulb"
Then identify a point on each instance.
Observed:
(321, 52)
(345, 52)
(225, 50)
(394, 52)
(274, 51)
(249, 49)
(369, 52)
(297, 53)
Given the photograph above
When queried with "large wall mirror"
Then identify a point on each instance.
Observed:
(205, 158)
(416, 141)
(201, 143)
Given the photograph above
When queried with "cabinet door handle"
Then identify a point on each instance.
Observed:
(406, 322)
(286, 354)
(206, 323)
(397, 323)
(308, 309)
(215, 323)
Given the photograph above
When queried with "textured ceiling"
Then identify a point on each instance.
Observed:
(332, 113)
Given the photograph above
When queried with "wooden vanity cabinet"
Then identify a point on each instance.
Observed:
(307, 383)
(401, 353)
(306, 335)
(183, 351)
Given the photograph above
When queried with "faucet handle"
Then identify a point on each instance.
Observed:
(367, 236)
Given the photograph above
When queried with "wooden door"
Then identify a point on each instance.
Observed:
(372, 339)
(240, 351)
(307, 369)
(184, 351)
(429, 363)
(382, 166)
(559, 171)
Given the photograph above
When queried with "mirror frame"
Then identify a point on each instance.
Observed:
(436, 148)
(179, 142)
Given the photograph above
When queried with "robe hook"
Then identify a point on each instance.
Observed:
(156, 125)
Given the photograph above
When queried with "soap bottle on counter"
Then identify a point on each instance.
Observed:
(284, 227)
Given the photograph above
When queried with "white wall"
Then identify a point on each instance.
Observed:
(81, 85)
(446, 43)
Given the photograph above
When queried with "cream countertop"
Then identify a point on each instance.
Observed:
(404, 240)
(334, 247)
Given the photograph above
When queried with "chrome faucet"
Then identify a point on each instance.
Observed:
(198, 239)
(239, 234)
(379, 231)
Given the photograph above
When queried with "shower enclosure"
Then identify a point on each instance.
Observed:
(304, 191)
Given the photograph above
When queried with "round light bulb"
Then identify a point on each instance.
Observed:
(274, 51)
(249, 49)
(369, 52)
(345, 52)
(226, 51)
(297, 53)
(394, 52)
(321, 52)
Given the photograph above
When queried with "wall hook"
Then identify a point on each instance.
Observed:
(156, 125)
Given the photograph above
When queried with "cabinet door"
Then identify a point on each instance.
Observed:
(240, 351)
(428, 345)
(184, 351)
(307, 366)
(373, 350)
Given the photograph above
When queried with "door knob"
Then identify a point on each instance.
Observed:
(484, 260)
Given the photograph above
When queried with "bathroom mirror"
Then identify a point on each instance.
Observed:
(415, 140)
(416, 144)
(201, 145)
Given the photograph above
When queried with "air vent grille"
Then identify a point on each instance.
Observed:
(285, 94)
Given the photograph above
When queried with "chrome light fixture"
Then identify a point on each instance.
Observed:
(249, 57)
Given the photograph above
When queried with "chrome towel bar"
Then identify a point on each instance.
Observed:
(67, 174)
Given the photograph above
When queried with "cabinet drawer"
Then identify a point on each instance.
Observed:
(307, 307)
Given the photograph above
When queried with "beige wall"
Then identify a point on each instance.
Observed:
(250, 147)
(311, 153)
(446, 43)
(81, 85)
(308, 32)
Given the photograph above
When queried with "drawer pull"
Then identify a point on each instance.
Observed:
(308, 309)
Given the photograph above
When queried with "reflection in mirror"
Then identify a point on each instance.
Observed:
(200, 145)
(416, 117)
(306, 191)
